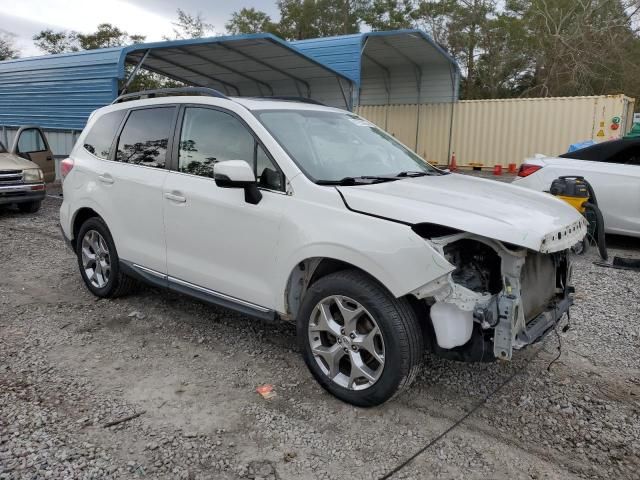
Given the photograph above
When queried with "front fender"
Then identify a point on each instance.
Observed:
(390, 252)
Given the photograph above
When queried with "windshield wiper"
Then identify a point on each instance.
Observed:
(363, 180)
(415, 174)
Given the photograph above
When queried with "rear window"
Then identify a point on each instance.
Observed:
(145, 137)
(100, 138)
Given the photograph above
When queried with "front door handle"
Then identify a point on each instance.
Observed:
(175, 197)
(106, 178)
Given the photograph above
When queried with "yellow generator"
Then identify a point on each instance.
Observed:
(578, 193)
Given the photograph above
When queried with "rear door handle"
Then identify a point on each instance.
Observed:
(175, 197)
(106, 178)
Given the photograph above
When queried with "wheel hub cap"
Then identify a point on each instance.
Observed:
(346, 342)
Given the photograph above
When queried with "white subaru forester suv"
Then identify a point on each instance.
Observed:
(293, 210)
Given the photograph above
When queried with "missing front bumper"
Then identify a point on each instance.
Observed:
(504, 342)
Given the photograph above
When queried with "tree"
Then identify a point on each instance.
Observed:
(55, 42)
(580, 47)
(250, 20)
(190, 26)
(390, 14)
(8, 49)
(105, 36)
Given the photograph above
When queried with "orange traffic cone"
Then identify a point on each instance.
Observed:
(453, 166)
(513, 168)
(497, 170)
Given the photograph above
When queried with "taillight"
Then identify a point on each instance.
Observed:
(65, 167)
(527, 169)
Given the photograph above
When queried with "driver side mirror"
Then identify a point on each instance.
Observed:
(237, 174)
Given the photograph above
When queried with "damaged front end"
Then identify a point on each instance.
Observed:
(498, 298)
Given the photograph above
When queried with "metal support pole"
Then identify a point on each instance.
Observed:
(419, 88)
(135, 72)
(344, 94)
(453, 74)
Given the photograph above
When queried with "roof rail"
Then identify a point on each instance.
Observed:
(294, 99)
(168, 92)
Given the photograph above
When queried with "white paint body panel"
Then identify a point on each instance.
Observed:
(617, 188)
(484, 207)
(131, 205)
(191, 229)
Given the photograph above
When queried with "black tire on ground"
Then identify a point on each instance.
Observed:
(118, 283)
(397, 320)
(29, 207)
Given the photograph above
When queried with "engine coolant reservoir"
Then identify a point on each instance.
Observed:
(452, 325)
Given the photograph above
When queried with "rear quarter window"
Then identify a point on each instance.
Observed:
(100, 138)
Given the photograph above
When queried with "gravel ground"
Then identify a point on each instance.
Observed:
(71, 364)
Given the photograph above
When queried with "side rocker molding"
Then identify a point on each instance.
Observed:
(160, 280)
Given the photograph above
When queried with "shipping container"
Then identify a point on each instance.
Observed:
(503, 131)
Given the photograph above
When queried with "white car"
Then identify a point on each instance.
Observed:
(291, 210)
(613, 170)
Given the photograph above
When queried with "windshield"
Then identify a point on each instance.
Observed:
(334, 146)
(2, 149)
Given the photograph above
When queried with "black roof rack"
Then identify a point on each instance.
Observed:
(294, 99)
(169, 92)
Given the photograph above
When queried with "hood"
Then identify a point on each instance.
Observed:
(10, 161)
(487, 208)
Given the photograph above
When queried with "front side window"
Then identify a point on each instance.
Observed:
(333, 146)
(209, 136)
(145, 137)
(31, 141)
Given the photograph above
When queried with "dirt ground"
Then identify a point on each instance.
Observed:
(70, 364)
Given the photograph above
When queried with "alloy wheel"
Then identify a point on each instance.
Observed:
(346, 342)
(96, 260)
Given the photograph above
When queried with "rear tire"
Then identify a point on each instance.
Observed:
(99, 262)
(29, 207)
(367, 328)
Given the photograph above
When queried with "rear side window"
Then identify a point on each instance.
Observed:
(100, 138)
(145, 136)
(31, 141)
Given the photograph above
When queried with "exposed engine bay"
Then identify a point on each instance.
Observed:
(498, 299)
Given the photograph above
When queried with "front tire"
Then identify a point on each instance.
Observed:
(98, 261)
(29, 207)
(361, 343)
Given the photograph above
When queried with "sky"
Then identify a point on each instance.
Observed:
(25, 18)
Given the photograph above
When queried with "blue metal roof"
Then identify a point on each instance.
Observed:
(344, 52)
(60, 91)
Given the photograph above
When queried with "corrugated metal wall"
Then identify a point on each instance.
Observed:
(57, 91)
(499, 132)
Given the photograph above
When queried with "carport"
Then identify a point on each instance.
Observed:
(60, 91)
(389, 68)
(259, 65)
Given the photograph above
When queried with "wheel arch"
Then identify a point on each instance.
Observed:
(79, 217)
(309, 270)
